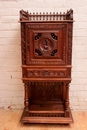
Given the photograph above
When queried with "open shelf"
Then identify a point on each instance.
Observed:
(53, 113)
(43, 108)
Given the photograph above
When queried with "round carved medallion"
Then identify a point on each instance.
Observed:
(46, 44)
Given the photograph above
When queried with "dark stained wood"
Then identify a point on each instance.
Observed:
(26, 16)
(46, 50)
(26, 102)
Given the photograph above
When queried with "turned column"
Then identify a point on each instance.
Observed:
(26, 99)
(67, 100)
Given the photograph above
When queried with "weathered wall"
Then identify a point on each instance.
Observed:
(11, 87)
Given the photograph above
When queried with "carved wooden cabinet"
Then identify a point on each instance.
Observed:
(46, 46)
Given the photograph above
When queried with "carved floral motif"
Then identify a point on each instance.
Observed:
(46, 73)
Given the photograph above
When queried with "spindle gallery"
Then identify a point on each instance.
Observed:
(46, 48)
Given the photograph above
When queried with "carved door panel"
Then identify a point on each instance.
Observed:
(47, 92)
(46, 44)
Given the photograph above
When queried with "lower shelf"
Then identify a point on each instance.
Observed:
(43, 114)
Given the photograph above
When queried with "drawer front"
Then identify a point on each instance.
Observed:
(38, 73)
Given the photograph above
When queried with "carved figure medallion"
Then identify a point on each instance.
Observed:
(46, 44)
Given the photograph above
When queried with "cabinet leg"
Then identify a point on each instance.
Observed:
(26, 100)
(67, 100)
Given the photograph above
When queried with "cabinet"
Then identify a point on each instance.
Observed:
(46, 48)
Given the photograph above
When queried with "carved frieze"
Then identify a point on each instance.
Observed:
(63, 72)
(45, 26)
(46, 73)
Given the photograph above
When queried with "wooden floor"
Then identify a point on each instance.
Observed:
(10, 120)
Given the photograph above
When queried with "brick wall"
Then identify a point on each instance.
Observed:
(11, 86)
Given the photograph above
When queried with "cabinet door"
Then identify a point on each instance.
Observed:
(46, 44)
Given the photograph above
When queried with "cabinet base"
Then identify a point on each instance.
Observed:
(56, 118)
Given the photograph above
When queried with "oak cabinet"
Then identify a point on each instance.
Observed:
(46, 48)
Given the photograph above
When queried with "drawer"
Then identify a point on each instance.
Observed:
(47, 72)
